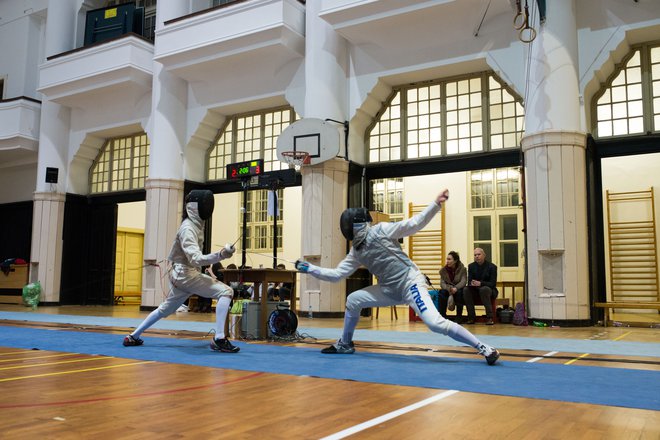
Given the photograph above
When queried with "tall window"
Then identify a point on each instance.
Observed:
(247, 137)
(259, 232)
(448, 117)
(496, 215)
(629, 101)
(122, 164)
(387, 197)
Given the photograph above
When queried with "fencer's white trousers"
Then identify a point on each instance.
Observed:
(185, 281)
(416, 296)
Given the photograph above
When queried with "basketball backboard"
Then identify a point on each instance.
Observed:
(319, 138)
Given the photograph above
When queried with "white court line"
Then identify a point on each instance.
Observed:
(536, 359)
(368, 424)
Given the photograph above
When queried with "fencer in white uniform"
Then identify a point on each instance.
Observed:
(185, 278)
(399, 280)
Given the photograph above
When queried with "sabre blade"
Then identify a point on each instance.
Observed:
(270, 256)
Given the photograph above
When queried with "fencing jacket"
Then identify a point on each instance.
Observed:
(377, 248)
(187, 247)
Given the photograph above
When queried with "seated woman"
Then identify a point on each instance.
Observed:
(453, 278)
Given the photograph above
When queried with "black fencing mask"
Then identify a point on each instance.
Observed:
(205, 202)
(351, 216)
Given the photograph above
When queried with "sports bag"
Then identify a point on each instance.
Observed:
(519, 315)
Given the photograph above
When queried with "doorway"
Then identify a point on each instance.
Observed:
(129, 252)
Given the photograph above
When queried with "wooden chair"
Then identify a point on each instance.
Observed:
(393, 313)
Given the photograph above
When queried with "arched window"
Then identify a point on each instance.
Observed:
(446, 117)
(629, 101)
(247, 137)
(122, 164)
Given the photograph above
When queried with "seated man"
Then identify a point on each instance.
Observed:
(482, 281)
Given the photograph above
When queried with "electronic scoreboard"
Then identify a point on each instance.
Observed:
(241, 170)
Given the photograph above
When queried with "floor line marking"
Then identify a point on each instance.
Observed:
(576, 359)
(39, 357)
(622, 336)
(57, 373)
(15, 352)
(57, 363)
(385, 417)
(130, 396)
(536, 359)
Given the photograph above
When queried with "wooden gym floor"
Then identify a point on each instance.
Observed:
(66, 395)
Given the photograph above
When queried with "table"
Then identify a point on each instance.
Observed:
(504, 285)
(11, 284)
(261, 277)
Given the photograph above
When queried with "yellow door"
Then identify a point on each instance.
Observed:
(128, 264)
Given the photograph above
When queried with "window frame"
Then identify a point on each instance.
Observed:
(403, 119)
(107, 177)
(391, 187)
(232, 123)
(648, 116)
(260, 196)
(495, 213)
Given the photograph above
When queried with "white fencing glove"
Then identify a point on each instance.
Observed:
(227, 251)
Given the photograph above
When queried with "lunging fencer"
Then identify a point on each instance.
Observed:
(399, 280)
(185, 277)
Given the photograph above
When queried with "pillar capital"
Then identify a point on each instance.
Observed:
(40, 196)
(555, 138)
(334, 164)
(174, 184)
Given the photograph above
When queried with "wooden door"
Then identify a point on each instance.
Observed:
(129, 261)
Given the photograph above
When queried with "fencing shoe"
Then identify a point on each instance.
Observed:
(491, 354)
(224, 346)
(132, 341)
(340, 348)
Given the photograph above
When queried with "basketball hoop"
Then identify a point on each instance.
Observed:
(296, 158)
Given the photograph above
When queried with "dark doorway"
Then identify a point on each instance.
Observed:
(89, 245)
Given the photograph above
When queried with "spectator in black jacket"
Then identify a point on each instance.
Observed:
(482, 281)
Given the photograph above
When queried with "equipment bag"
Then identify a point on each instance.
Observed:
(520, 315)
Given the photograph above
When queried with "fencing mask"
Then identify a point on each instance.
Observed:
(351, 216)
(205, 202)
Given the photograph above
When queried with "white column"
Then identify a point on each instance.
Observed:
(324, 191)
(324, 186)
(554, 149)
(48, 211)
(46, 253)
(326, 56)
(167, 135)
(164, 205)
(61, 25)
